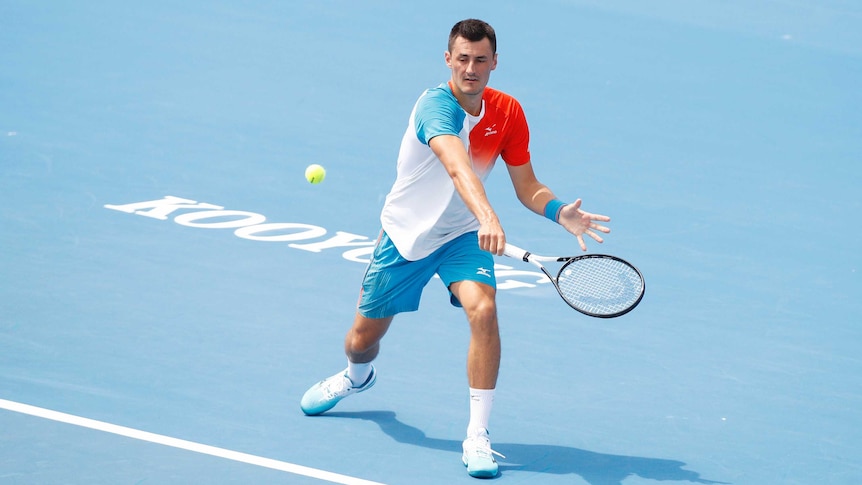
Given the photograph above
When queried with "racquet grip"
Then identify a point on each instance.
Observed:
(513, 251)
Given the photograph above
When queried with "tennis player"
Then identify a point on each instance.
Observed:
(437, 220)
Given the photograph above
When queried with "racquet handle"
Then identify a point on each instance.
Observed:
(513, 251)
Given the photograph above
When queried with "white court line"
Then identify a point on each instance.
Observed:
(183, 444)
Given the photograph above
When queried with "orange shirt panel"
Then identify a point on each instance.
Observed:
(503, 131)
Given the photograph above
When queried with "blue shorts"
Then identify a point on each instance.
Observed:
(394, 285)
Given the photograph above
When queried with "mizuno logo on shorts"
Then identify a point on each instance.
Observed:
(484, 272)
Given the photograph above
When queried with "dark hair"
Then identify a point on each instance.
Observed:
(473, 30)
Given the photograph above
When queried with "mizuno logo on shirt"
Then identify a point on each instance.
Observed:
(491, 130)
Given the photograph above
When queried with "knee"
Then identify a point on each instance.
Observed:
(483, 317)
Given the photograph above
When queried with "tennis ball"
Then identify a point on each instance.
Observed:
(315, 173)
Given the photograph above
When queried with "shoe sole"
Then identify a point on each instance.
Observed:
(479, 473)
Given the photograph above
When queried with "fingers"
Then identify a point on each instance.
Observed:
(594, 217)
(579, 223)
(595, 236)
(582, 243)
(599, 227)
(599, 217)
(496, 248)
(493, 244)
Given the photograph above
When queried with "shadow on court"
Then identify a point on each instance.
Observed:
(595, 468)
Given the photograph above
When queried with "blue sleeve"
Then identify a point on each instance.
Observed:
(438, 113)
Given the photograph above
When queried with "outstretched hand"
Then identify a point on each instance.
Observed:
(579, 223)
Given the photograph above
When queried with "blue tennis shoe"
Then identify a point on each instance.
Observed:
(478, 456)
(324, 395)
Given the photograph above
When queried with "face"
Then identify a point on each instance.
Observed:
(471, 64)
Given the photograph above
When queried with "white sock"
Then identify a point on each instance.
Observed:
(481, 402)
(358, 373)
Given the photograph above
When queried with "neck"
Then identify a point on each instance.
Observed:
(472, 103)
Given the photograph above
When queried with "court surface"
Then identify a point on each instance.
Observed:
(171, 284)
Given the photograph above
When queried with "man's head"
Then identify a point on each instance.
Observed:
(473, 30)
(472, 55)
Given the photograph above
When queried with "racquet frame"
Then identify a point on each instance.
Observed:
(535, 259)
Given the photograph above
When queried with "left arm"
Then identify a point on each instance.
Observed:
(536, 195)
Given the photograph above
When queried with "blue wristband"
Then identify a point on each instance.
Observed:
(552, 209)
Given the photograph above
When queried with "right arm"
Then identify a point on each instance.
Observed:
(452, 153)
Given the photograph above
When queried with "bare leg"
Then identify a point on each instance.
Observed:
(483, 356)
(483, 365)
(362, 343)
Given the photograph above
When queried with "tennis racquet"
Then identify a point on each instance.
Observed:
(597, 285)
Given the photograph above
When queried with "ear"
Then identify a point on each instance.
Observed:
(494, 64)
(448, 56)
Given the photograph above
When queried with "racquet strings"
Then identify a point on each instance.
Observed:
(600, 286)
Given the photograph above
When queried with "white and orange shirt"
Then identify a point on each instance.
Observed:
(423, 211)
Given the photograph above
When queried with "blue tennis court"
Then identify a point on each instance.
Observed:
(171, 284)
